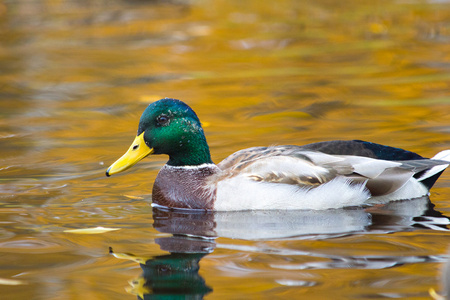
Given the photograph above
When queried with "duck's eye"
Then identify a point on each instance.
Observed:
(162, 120)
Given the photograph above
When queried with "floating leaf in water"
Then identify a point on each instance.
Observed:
(94, 230)
(129, 256)
(134, 197)
(138, 287)
(6, 281)
(434, 295)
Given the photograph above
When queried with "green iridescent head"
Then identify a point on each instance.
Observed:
(171, 127)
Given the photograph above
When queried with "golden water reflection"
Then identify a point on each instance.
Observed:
(194, 236)
(77, 74)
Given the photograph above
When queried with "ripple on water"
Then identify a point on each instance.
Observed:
(5, 234)
(30, 245)
(287, 282)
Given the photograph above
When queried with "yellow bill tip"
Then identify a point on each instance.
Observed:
(137, 151)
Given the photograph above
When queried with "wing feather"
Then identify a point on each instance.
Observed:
(308, 168)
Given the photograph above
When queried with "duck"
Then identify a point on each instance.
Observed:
(323, 175)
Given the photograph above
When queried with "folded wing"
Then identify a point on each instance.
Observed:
(309, 169)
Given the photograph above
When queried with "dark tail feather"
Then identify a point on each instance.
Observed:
(429, 177)
(429, 182)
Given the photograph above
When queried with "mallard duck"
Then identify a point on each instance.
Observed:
(322, 175)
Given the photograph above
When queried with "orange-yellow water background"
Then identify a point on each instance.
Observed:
(76, 75)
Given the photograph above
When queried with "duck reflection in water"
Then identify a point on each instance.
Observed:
(404, 215)
(176, 275)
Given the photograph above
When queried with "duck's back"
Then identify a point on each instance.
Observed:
(362, 148)
(323, 175)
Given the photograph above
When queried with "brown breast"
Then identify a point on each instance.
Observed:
(186, 187)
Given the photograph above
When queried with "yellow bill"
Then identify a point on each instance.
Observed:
(137, 151)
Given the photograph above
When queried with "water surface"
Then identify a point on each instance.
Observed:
(76, 75)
